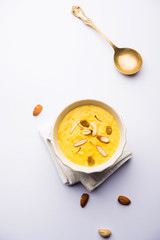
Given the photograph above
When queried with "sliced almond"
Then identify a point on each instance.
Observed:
(78, 150)
(95, 129)
(97, 118)
(72, 129)
(104, 232)
(103, 139)
(87, 132)
(92, 143)
(81, 128)
(101, 151)
(80, 143)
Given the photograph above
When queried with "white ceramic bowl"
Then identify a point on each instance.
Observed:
(77, 167)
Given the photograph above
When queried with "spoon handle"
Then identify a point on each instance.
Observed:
(78, 12)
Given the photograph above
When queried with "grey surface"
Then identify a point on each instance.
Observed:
(47, 56)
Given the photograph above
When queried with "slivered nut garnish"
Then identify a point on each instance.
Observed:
(92, 143)
(72, 129)
(78, 150)
(95, 129)
(80, 143)
(104, 232)
(81, 128)
(103, 139)
(87, 132)
(84, 123)
(97, 118)
(101, 151)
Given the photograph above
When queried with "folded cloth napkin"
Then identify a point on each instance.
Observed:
(70, 177)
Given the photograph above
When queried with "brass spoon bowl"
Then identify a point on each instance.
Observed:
(127, 60)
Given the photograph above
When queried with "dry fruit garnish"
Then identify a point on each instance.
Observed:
(98, 118)
(104, 233)
(84, 123)
(124, 200)
(103, 139)
(101, 151)
(81, 128)
(80, 143)
(92, 143)
(91, 161)
(84, 199)
(78, 150)
(37, 110)
(108, 130)
(87, 132)
(72, 129)
(95, 129)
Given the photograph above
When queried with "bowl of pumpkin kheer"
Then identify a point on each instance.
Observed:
(89, 136)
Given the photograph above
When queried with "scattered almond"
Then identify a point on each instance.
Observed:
(84, 123)
(80, 143)
(124, 200)
(104, 232)
(84, 199)
(91, 161)
(98, 118)
(103, 139)
(95, 129)
(108, 130)
(101, 151)
(72, 129)
(37, 110)
(87, 132)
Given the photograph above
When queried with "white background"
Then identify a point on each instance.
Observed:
(49, 57)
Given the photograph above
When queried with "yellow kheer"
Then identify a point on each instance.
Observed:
(95, 148)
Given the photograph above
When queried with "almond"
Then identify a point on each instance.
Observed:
(95, 129)
(104, 232)
(103, 139)
(84, 199)
(101, 151)
(87, 132)
(78, 150)
(81, 128)
(92, 143)
(80, 143)
(37, 110)
(124, 200)
(72, 129)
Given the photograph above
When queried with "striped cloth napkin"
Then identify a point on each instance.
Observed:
(70, 177)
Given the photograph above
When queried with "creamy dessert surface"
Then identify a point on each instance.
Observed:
(71, 134)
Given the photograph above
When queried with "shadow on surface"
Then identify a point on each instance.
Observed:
(113, 176)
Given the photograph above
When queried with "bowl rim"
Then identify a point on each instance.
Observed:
(106, 165)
